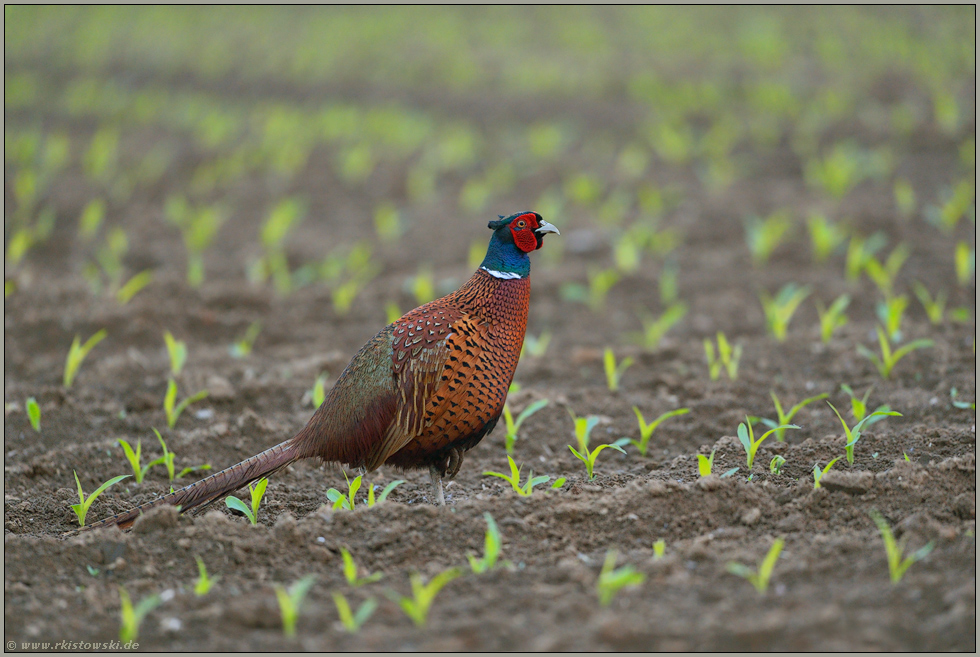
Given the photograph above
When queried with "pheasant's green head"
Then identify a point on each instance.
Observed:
(513, 238)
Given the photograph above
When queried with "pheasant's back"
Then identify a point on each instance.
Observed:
(481, 353)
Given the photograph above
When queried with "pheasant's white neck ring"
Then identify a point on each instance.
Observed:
(502, 274)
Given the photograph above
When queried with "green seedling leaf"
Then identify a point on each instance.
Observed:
(243, 346)
(647, 429)
(728, 357)
(350, 571)
(168, 457)
(132, 617)
(81, 509)
(134, 457)
(825, 237)
(384, 493)
(784, 418)
(779, 310)
(888, 358)
(77, 353)
(705, 463)
(533, 346)
(203, 583)
(965, 260)
(759, 578)
(818, 473)
(256, 491)
(612, 580)
(890, 313)
(174, 412)
(352, 622)
(832, 318)
(133, 286)
(776, 464)
(290, 602)
(894, 549)
(515, 476)
(883, 275)
(589, 457)
(94, 572)
(730, 473)
(513, 426)
(195, 468)
(613, 371)
(33, 413)
(763, 236)
(659, 548)
(423, 595)
(318, 393)
(853, 434)
(491, 549)
(935, 308)
(746, 436)
(177, 351)
(654, 329)
(558, 483)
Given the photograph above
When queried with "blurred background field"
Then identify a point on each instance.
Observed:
(273, 185)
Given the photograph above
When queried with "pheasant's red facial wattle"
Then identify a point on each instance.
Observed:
(522, 229)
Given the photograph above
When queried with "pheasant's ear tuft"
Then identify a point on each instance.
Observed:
(500, 216)
(494, 225)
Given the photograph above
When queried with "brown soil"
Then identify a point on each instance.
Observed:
(830, 589)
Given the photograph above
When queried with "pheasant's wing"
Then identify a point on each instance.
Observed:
(420, 350)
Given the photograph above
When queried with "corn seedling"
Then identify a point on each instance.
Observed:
(172, 408)
(965, 259)
(953, 392)
(133, 286)
(514, 478)
(659, 548)
(341, 501)
(384, 493)
(776, 464)
(588, 457)
(423, 286)
(894, 549)
(350, 571)
(668, 283)
(243, 346)
(705, 464)
(290, 602)
(388, 223)
(256, 491)
(614, 371)
(859, 251)
(728, 357)
(558, 483)
(283, 218)
(959, 203)
(203, 583)
(91, 219)
(883, 275)
(81, 509)
(536, 346)
(612, 580)
(905, 198)
(935, 307)
(423, 595)
(890, 358)
(513, 426)
(318, 392)
(832, 318)
(583, 429)
(853, 434)
(763, 236)
(759, 577)
(177, 351)
(779, 310)
(33, 413)
(746, 436)
(647, 429)
(132, 617)
(818, 473)
(825, 237)
(134, 457)
(654, 329)
(594, 294)
(890, 314)
(491, 548)
(77, 353)
(351, 621)
(784, 418)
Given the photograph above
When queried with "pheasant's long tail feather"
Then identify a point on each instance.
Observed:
(216, 486)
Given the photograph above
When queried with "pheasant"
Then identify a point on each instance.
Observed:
(423, 391)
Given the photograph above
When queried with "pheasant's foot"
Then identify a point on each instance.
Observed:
(436, 478)
(455, 461)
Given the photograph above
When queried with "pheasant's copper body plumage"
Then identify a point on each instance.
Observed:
(427, 388)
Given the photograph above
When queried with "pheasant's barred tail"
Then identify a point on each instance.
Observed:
(215, 486)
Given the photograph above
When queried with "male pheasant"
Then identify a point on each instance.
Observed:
(427, 388)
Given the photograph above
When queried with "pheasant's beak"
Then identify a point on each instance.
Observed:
(545, 227)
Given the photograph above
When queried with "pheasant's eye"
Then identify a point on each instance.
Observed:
(521, 224)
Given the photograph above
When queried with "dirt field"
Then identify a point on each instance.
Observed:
(830, 588)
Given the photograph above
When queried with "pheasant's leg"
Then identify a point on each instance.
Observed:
(436, 478)
(455, 460)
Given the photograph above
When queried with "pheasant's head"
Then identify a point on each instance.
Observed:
(513, 238)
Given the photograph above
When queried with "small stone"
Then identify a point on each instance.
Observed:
(751, 516)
